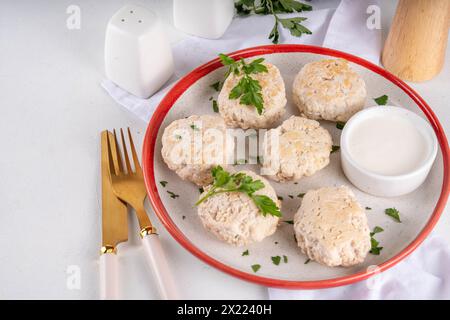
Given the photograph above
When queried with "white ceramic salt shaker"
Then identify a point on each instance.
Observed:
(138, 57)
(203, 18)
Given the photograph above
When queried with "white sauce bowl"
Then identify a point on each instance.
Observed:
(401, 148)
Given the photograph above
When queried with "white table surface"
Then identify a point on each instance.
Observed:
(52, 112)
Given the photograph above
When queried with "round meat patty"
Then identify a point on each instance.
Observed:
(234, 218)
(193, 146)
(331, 227)
(243, 116)
(329, 90)
(299, 147)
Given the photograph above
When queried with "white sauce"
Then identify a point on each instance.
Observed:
(387, 145)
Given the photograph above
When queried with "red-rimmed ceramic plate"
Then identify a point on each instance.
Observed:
(419, 210)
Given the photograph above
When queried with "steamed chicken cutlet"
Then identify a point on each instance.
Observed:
(233, 217)
(190, 158)
(299, 147)
(273, 92)
(331, 227)
(329, 90)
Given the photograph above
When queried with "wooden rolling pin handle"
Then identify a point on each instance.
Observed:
(416, 44)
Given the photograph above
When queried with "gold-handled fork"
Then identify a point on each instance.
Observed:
(128, 186)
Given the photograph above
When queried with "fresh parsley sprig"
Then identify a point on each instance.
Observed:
(275, 7)
(248, 90)
(240, 182)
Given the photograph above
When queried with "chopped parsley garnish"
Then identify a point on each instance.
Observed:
(240, 182)
(276, 260)
(285, 259)
(245, 253)
(307, 261)
(289, 221)
(256, 267)
(274, 7)
(248, 90)
(201, 190)
(183, 217)
(291, 196)
(178, 137)
(368, 208)
(172, 194)
(375, 249)
(335, 148)
(216, 86)
(194, 127)
(163, 183)
(280, 198)
(301, 195)
(340, 125)
(215, 106)
(382, 100)
(393, 213)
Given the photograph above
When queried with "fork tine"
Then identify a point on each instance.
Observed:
(125, 152)
(137, 166)
(119, 157)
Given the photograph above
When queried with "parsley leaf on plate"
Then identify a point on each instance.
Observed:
(393, 213)
(382, 100)
(245, 253)
(256, 267)
(215, 106)
(340, 125)
(335, 148)
(276, 260)
(375, 249)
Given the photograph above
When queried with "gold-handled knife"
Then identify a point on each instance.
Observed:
(114, 226)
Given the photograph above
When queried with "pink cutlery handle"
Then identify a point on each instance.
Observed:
(109, 280)
(160, 268)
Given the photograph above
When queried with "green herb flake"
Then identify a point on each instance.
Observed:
(216, 86)
(178, 137)
(291, 196)
(285, 259)
(163, 183)
(280, 198)
(215, 106)
(382, 100)
(172, 194)
(245, 253)
(194, 127)
(393, 213)
(376, 230)
(256, 267)
(276, 260)
(183, 217)
(289, 221)
(307, 261)
(368, 208)
(375, 249)
(201, 190)
(240, 182)
(301, 195)
(340, 125)
(335, 148)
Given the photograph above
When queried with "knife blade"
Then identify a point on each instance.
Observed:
(114, 211)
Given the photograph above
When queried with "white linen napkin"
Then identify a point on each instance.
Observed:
(425, 273)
